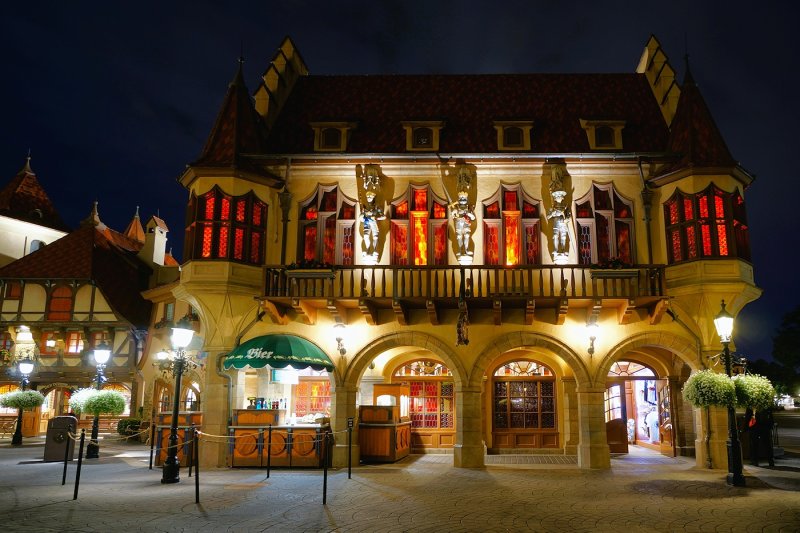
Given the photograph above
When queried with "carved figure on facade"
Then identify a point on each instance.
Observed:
(371, 213)
(463, 215)
(560, 215)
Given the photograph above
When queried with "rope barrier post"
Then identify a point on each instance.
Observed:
(80, 462)
(69, 442)
(349, 447)
(152, 442)
(196, 455)
(269, 449)
(191, 450)
(325, 472)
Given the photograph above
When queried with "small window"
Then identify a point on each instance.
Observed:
(48, 343)
(99, 337)
(331, 139)
(60, 304)
(512, 137)
(74, 342)
(604, 137)
(513, 134)
(13, 290)
(423, 137)
(5, 341)
(169, 311)
(331, 136)
(603, 134)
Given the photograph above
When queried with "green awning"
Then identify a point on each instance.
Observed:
(278, 351)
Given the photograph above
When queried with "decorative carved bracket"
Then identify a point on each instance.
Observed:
(401, 312)
(369, 311)
(433, 312)
(308, 313)
(530, 306)
(276, 313)
(497, 307)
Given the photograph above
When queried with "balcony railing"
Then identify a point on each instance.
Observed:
(437, 282)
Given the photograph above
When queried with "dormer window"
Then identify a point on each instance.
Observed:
(604, 134)
(423, 136)
(331, 136)
(513, 135)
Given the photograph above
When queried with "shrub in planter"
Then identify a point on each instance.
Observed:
(128, 426)
(706, 388)
(24, 399)
(754, 391)
(97, 402)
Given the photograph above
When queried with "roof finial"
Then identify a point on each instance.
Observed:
(94, 217)
(136, 215)
(27, 167)
(688, 79)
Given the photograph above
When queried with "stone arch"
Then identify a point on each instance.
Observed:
(407, 338)
(527, 339)
(675, 344)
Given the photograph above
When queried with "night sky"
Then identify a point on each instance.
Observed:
(113, 99)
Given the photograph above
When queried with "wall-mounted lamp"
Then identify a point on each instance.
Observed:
(24, 335)
(592, 329)
(50, 343)
(339, 327)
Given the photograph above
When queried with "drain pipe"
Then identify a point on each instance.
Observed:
(698, 343)
(221, 357)
(647, 199)
(285, 201)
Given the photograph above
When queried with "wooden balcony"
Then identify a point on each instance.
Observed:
(433, 288)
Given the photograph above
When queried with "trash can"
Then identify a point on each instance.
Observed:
(58, 440)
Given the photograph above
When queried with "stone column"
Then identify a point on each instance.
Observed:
(712, 437)
(215, 414)
(344, 406)
(469, 449)
(593, 451)
(569, 400)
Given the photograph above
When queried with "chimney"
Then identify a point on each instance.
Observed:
(155, 241)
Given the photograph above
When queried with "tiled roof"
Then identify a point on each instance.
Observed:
(96, 253)
(694, 135)
(469, 105)
(135, 230)
(23, 198)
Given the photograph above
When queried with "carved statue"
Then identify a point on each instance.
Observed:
(463, 214)
(560, 214)
(371, 213)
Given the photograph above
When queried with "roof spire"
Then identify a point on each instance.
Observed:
(27, 167)
(94, 218)
(688, 79)
(135, 230)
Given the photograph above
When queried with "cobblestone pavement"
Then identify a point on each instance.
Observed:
(642, 492)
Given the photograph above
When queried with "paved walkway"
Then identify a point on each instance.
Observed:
(642, 492)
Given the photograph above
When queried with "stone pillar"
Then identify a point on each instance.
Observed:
(216, 410)
(469, 449)
(593, 451)
(571, 425)
(343, 406)
(712, 437)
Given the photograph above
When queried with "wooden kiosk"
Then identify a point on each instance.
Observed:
(384, 429)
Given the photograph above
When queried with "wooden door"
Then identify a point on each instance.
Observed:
(616, 418)
(666, 421)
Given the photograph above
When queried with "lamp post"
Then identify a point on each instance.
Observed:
(181, 337)
(102, 352)
(25, 367)
(724, 326)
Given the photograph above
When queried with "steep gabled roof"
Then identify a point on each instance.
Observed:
(694, 135)
(469, 105)
(238, 129)
(23, 198)
(135, 230)
(97, 253)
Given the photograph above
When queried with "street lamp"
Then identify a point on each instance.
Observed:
(181, 337)
(724, 325)
(102, 352)
(25, 367)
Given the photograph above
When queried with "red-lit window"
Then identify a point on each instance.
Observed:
(99, 337)
(47, 343)
(5, 341)
(326, 227)
(60, 304)
(419, 235)
(605, 226)
(511, 235)
(74, 342)
(223, 225)
(711, 223)
(13, 290)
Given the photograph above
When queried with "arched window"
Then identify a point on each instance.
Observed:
(524, 397)
(59, 305)
(419, 228)
(164, 404)
(191, 398)
(630, 369)
(605, 226)
(711, 223)
(432, 394)
(227, 227)
(511, 228)
(327, 227)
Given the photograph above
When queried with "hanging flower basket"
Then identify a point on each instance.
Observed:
(754, 391)
(97, 402)
(24, 399)
(708, 388)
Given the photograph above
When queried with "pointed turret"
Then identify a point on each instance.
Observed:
(135, 230)
(94, 218)
(23, 198)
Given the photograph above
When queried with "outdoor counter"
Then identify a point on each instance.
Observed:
(293, 446)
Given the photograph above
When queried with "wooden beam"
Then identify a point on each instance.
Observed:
(627, 312)
(530, 306)
(368, 310)
(337, 311)
(400, 312)
(497, 306)
(561, 310)
(433, 312)
(308, 313)
(658, 312)
(276, 313)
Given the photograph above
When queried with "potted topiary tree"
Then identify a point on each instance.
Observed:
(21, 400)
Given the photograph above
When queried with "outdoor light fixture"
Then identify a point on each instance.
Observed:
(182, 335)
(24, 367)
(24, 335)
(592, 329)
(724, 325)
(102, 353)
(50, 343)
(339, 327)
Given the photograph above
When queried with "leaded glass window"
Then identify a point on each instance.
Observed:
(605, 226)
(511, 228)
(326, 227)
(523, 396)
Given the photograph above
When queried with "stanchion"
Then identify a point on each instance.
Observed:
(269, 449)
(325, 473)
(69, 442)
(191, 451)
(196, 455)
(80, 462)
(349, 447)
(152, 442)
(260, 447)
